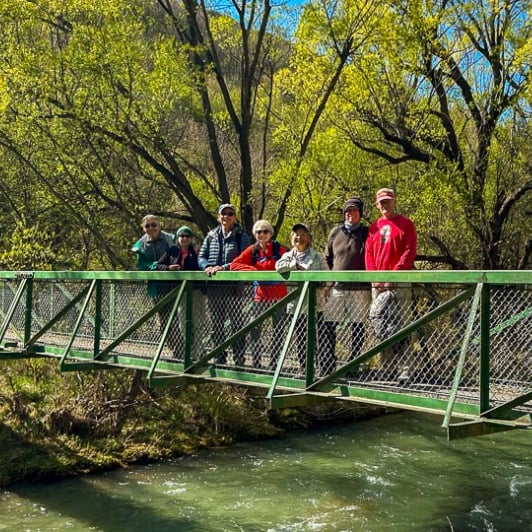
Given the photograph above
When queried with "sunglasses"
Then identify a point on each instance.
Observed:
(228, 213)
(147, 226)
(184, 235)
(262, 231)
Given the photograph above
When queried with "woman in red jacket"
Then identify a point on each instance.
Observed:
(262, 256)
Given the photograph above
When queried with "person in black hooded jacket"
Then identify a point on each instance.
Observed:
(182, 256)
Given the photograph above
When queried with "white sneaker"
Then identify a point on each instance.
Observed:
(404, 375)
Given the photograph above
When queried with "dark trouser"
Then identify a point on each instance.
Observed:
(301, 339)
(327, 348)
(174, 340)
(276, 337)
(327, 353)
(394, 358)
(301, 342)
(226, 303)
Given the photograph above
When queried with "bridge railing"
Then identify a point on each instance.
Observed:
(459, 339)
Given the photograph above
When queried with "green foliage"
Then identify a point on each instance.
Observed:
(113, 110)
(429, 97)
(27, 248)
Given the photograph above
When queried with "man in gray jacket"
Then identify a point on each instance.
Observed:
(221, 245)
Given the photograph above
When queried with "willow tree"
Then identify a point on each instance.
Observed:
(443, 92)
(247, 58)
(85, 100)
(231, 56)
(330, 36)
(131, 106)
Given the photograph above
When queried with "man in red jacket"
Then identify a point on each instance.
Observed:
(391, 245)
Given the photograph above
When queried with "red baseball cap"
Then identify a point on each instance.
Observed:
(385, 194)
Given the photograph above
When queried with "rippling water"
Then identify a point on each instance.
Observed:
(392, 473)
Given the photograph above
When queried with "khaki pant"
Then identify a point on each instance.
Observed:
(347, 307)
(395, 358)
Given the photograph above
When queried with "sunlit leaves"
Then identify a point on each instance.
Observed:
(27, 249)
(111, 109)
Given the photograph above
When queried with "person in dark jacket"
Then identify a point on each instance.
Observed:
(346, 302)
(183, 256)
(220, 246)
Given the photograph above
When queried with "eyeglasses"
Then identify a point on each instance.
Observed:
(147, 226)
(184, 235)
(228, 213)
(262, 231)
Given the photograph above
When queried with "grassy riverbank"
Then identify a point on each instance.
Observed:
(54, 425)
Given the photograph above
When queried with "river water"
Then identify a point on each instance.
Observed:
(395, 473)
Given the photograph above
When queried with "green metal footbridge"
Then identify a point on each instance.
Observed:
(463, 349)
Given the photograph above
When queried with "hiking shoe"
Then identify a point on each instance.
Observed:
(404, 375)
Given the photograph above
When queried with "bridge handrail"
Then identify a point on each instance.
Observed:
(414, 276)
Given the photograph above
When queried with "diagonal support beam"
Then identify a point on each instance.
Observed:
(500, 410)
(202, 363)
(12, 308)
(300, 304)
(461, 359)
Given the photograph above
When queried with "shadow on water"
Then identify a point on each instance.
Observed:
(81, 499)
(90, 505)
(397, 471)
(26, 459)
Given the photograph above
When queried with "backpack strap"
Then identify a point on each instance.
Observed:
(276, 252)
(254, 256)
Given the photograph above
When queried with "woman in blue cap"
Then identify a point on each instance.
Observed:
(182, 256)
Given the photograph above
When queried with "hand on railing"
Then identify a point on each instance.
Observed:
(382, 287)
(211, 270)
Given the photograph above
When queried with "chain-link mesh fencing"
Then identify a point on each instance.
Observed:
(347, 324)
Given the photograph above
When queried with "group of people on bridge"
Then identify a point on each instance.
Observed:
(389, 243)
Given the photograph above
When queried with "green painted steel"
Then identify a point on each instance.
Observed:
(27, 316)
(491, 277)
(282, 358)
(12, 308)
(90, 292)
(462, 357)
(484, 400)
(466, 343)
